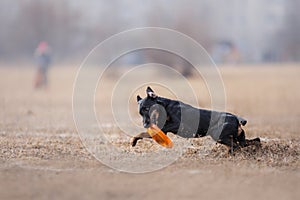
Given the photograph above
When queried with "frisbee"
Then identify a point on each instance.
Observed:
(159, 136)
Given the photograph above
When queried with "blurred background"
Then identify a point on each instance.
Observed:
(238, 31)
(256, 43)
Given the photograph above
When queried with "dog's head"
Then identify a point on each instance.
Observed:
(151, 109)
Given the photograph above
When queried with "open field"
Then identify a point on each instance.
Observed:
(42, 156)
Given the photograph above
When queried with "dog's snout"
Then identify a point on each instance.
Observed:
(146, 122)
(146, 125)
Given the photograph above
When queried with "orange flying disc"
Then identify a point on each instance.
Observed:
(159, 136)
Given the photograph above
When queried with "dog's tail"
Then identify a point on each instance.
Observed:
(242, 121)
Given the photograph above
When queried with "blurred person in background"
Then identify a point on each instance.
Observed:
(43, 58)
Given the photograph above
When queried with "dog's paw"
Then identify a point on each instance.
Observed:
(133, 141)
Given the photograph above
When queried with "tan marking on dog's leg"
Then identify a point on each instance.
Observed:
(228, 152)
(240, 130)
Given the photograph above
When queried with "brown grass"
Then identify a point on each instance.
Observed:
(38, 136)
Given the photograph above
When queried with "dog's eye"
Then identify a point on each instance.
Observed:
(145, 109)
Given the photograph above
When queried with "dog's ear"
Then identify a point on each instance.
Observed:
(150, 93)
(138, 98)
(149, 90)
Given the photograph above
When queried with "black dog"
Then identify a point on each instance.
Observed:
(189, 122)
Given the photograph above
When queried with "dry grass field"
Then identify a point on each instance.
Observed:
(42, 156)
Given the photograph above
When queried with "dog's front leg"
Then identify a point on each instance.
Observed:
(140, 136)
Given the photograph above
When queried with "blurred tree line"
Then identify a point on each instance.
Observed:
(29, 22)
(289, 37)
(73, 29)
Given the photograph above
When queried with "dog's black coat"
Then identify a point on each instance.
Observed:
(189, 122)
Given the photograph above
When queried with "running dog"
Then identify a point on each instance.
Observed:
(190, 122)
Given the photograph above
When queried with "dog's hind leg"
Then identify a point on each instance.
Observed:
(241, 137)
(255, 142)
(228, 138)
(243, 142)
(230, 143)
(139, 136)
